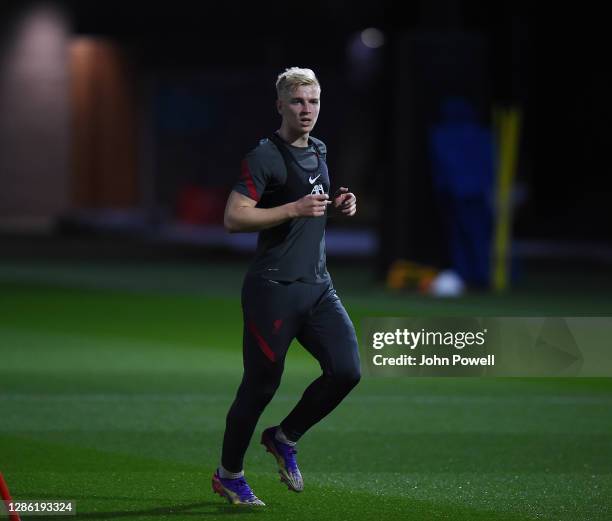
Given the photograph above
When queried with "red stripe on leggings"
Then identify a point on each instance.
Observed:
(263, 345)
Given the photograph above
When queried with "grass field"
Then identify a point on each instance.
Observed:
(115, 381)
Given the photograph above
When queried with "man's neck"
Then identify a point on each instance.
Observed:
(297, 140)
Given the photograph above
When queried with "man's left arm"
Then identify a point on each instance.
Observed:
(344, 203)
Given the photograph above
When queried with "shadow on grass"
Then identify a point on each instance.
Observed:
(182, 510)
(171, 510)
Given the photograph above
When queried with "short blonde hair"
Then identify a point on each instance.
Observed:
(295, 77)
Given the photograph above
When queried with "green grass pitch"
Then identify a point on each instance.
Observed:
(115, 381)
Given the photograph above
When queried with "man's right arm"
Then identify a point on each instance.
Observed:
(241, 215)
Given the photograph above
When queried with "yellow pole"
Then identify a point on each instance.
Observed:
(508, 127)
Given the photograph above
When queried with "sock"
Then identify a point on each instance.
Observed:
(280, 436)
(226, 474)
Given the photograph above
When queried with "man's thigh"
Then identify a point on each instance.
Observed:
(329, 335)
(270, 322)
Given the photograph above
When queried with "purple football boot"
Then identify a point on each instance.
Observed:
(285, 457)
(236, 491)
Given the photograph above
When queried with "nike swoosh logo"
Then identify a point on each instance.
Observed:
(311, 180)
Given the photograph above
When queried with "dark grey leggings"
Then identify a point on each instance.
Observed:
(274, 314)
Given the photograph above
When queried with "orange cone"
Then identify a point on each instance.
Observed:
(6, 497)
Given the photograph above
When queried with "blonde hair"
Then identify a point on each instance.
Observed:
(294, 77)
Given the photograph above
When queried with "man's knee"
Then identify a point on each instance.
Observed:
(347, 378)
(259, 392)
(267, 391)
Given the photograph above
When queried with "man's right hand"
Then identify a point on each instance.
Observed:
(311, 205)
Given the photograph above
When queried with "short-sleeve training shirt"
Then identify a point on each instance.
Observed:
(275, 173)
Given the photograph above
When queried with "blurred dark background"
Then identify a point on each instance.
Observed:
(127, 121)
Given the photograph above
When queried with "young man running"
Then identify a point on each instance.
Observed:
(283, 193)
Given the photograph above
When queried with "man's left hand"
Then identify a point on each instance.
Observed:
(345, 201)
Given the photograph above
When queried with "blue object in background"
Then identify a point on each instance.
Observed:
(462, 154)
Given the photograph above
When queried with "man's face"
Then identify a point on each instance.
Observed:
(300, 108)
